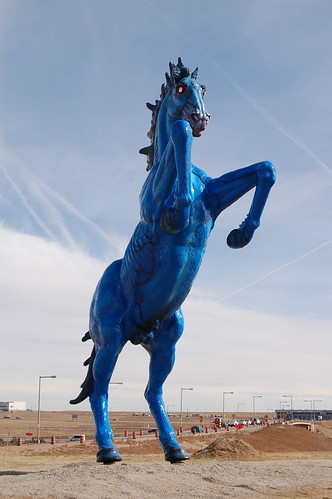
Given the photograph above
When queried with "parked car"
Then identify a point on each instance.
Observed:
(152, 430)
(197, 429)
(75, 438)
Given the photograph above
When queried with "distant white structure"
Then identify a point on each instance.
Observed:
(12, 406)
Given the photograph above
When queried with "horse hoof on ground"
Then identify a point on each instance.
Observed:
(175, 454)
(237, 239)
(108, 456)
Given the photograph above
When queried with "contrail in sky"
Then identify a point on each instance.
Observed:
(40, 187)
(27, 205)
(260, 109)
(54, 214)
(278, 269)
(71, 208)
(271, 119)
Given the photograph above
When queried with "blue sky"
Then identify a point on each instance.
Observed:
(75, 77)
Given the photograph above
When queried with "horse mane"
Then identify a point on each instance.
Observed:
(176, 73)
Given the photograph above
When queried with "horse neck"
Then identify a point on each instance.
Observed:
(163, 131)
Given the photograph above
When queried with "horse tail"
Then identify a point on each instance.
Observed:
(88, 382)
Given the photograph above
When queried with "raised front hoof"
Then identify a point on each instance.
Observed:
(175, 455)
(108, 456)
(238, 239)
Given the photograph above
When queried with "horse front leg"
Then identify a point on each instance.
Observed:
(176, 217)
(162, 356)
(225, 190)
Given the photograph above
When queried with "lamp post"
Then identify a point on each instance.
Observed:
(39, 388)
(168, 406)
(291, 404)
(314, 410)
(282, 407)
(310, 407)
(182, 390)
(237, 407)
(253, 403)
(223, 402)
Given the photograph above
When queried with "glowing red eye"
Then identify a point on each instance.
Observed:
(203, 91)
(181, 89)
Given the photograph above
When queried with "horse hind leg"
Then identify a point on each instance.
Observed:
(162, 356)
(103, 367)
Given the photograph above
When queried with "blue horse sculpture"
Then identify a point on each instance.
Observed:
(139, 297)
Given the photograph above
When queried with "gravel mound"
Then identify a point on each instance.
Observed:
(228, 448)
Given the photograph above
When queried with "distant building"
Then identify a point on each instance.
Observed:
(304, 414)
(12, 406)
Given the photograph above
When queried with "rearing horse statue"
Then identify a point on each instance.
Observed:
(139, 297)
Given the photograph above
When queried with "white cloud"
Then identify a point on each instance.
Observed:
(73, 119)
(45, 296)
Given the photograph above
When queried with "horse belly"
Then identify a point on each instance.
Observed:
(158, 272)
(173, 280)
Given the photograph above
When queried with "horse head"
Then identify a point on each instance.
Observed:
(181, 98)
(186, 102)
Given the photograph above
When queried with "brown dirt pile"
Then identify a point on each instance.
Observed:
(228, 448)
(275, 439)
(288, 438)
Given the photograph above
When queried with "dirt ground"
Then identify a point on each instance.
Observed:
(277, 461)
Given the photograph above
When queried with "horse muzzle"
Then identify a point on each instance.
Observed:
(198, 122)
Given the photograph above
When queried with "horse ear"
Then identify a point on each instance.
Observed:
(175, 71)
(180, 63)
(194, 74)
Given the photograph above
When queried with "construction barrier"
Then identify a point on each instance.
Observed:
(126, 433)
(53, 440)
(82, 439)
(19, 441)
(141, 432)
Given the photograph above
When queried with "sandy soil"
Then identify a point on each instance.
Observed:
(273, 462)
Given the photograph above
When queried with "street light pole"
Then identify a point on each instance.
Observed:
(39, 389)
(314, 410)
(182, 389)
(223, 402)
(168, 406)
(310, 407)
(237, 407)
(253, 403)
(291, 397)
